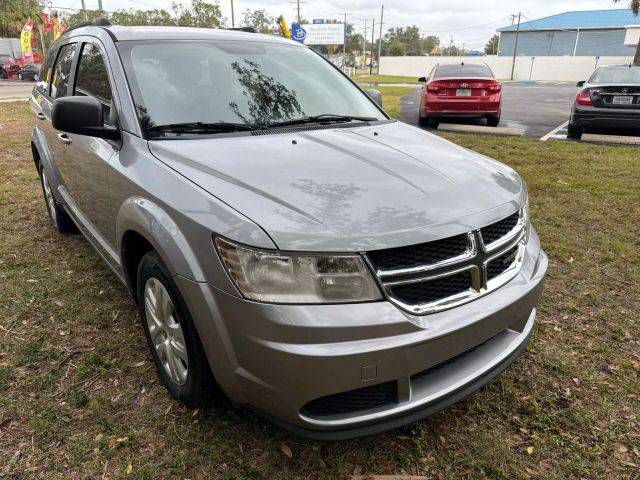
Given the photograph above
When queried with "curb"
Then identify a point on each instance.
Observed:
(454, 127)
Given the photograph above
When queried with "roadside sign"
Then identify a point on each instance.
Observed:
(298, 33)
(318, 33)
(318, 21)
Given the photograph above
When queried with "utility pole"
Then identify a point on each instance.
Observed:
(373, 31)
(364, 40)
(380, 39)
(515, 48)
(344, 44)
(298, 2)
(233, 19)
(84, 9)
(100, 5)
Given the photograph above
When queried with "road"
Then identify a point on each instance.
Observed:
(13, 89)
(538, 108)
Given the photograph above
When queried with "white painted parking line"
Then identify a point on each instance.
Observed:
(554, 131)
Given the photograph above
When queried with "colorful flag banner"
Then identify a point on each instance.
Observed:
(26, 37)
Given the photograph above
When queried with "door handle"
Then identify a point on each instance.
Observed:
(64, 138)
(41, 116)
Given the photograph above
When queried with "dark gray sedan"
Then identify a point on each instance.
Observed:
(609, 99)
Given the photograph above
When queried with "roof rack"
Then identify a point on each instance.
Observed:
(244, 29)
(96, 22)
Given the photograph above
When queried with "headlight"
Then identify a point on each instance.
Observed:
(297, 278)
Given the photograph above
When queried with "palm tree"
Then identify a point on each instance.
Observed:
(634, 5)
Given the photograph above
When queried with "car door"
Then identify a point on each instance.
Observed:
(87, 158)
(57, 142)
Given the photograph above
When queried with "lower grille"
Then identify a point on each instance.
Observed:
(433, 290)
(352, 401)
(500, 264)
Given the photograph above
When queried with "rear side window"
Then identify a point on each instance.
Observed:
(62, 71)
(92, 78)
(463, 71)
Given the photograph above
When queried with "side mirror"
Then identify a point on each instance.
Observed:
(422, 79)
(375, 95)
(580, 83)
(81, 115)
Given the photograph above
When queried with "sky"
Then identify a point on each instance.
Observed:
(464, 22)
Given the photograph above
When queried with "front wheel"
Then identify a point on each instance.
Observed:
(172, 337)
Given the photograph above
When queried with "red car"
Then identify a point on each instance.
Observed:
(462, 91)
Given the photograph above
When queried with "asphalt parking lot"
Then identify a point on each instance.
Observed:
(538, 108)
(14, 89)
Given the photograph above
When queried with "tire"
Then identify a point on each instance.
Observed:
(574, 132)
(493, 121)
(429, 122)
(172, 337)
(3, 75)
(60, 220)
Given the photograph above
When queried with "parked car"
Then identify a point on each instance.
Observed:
(29, 72)
(11, 69)
(609, 99)
(286, 241)
(460, 90)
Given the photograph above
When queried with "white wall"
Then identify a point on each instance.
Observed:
(570, 69)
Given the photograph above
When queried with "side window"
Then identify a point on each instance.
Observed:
(62, 71)
(92, 78)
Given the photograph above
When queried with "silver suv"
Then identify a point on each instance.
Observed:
(286, 241)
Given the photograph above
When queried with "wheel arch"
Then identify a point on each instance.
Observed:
(141, 226)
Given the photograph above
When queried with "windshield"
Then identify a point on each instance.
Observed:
(248, 83)
(616, 75)
(460, 71)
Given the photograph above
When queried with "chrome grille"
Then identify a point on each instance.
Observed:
(435, 276)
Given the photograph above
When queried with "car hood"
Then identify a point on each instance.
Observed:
(349, 189)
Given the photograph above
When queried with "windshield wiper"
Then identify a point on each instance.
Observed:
(201, 128)
(323, 118)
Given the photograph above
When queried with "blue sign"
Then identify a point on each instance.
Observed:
(318, 20)
(297, 32)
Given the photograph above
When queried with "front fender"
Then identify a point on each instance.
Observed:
(159, 229)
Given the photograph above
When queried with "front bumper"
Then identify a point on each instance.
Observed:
(277, 358)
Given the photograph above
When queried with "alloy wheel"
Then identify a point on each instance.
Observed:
(165, 331)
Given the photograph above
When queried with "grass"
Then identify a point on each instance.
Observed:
(79, 397)
(392, 99)
(384, 79)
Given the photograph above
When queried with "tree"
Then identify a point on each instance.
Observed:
(15, 13)
(634, 5)
(260, 20)
(198, 13)
(491, 48)
(430, 44)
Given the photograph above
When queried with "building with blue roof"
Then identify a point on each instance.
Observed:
(593, 33)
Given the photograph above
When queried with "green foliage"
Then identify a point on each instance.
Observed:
(15, 13)
(198, 13)
(407, 41)
(491, 48)
(260, 20)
